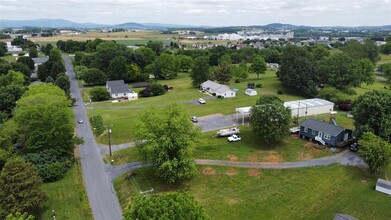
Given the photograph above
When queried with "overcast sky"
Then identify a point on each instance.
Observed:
(204, 12)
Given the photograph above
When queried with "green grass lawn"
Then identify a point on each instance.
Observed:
(306, 193)
(248, 149)
(384, 59)
(67, 197)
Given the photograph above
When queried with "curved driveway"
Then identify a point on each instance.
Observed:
(101, 195)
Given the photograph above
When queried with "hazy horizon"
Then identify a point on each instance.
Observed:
(204, 12)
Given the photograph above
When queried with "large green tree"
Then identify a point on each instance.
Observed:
(165, 206)
(186, 62)
(386, 69)
(99, 94)
(258, 66)
(3, 48)
(223, 72)
(166, 66)
(297, 71)
(356, 50)
(270, 120)
(64, 83)
(166, 138)
(200, 71)
(372, 113)
(44, 119)
(375, 151)
(20, 188)
(93, 76)
(28, 61)
(117, 68)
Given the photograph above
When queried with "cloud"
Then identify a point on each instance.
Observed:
(204, 12)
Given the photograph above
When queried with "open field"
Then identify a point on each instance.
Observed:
(384, 59)
(67, 197)
(306, 193)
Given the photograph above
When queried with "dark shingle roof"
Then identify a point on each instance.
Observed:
(118, 86)
(322, 127)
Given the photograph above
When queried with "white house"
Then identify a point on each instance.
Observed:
(308, 107)
(383, 186)
(218, 89)
(251, 92)
(118, 89)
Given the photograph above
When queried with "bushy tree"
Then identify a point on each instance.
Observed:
(258, 66)
(165, 206)
(33, 52)
(166, 137)
(20, 216)
(117, 68)
(28, 61)
(357, 50)
(166, 66)
(386, 69)
(223, 72)
(20, 188)
(270, 120)
(297, 71)
(21, 67)
(186, 63)
(3, 48)
(156, 46)
(375, 151)
(94, 76)
(64, 83)
(372, 113)
(99, 94)
(200, 71)
(42, 73)
(157, 89)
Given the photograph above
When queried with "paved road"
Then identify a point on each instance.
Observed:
(100, 191)
(345, 158)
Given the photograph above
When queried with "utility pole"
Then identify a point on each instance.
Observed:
(109, 133)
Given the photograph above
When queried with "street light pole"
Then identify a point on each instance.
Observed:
(109, 133)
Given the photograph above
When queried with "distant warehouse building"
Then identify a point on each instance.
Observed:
(308, 107)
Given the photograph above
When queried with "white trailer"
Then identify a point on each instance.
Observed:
(228, 132)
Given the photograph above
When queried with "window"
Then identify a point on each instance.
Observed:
(313, 132)
(306, 130)
(327, 136)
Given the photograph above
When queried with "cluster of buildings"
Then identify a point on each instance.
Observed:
(242, 35)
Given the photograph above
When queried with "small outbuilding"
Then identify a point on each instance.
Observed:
(307, 107)
(383, 186)
(118, 89)
(251, 92)
(324, 133)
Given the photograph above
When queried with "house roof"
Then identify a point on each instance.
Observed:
(384, 184)
(118, 86)
(322, 127)
(215, 86)
(307, 103)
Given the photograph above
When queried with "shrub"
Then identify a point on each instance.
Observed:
(214, 94)
(258, 85)
(97, 124)
(237, 81)
(279, 92)
(99, 94)
(332, 94)
(157, 89)
(145, 92)
(50, 164)
(345, 105)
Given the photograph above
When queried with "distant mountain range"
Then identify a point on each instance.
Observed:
(61, 23)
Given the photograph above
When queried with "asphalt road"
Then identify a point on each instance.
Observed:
(101, 195)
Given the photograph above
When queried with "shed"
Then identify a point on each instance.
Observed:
(251, 92)
(383, 186)
(324, 133)
(308, 107)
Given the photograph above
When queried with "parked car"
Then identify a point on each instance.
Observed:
(194, 119)
(201, 101)
(234, 138)
(354, 147)
(294, 130)
(80, 121)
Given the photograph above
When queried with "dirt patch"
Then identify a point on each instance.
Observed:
(364, 181)
(267, 92)
(252, 158)
(231, 172)
(232, 201)
(232, 157)
(253, 172)
(305, 156)
(273, 158)
(209, 171)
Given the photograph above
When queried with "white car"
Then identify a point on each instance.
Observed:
(80, 121)
(201, 101)
(294, 130)
(194, 119)
(234, 138)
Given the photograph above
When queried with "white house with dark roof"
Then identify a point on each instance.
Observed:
(118, 89)
(218, 89)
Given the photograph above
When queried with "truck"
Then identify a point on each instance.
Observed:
(228, 132)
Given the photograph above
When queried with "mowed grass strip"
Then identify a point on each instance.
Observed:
(67, 197)
(306, 193)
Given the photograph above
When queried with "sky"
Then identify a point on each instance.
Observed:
(204, 12)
